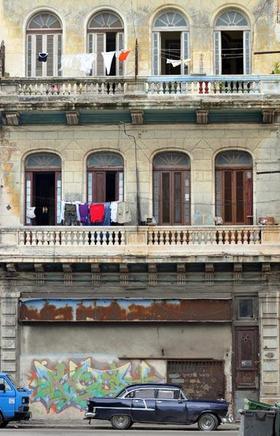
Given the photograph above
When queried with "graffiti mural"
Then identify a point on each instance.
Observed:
(61, 384)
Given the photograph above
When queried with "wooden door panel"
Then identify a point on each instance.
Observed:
(246, 357)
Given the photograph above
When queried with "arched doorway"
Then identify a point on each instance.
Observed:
(171, 188)
(105, 181)
(170, 39)
(105, 34)
(43, 34)
(43, 188)
(234, 187)
(232, 51)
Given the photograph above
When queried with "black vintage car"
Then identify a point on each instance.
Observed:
(157, 403)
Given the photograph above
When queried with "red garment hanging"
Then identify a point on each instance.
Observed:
(97, 213)
(123, 55)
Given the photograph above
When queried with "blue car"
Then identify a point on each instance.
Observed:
(157, 403)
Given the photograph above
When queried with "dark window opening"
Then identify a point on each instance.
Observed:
(232, 52)
(111, 46)
(170, 49)
(111, 187)
(44, 198)
(245, 308)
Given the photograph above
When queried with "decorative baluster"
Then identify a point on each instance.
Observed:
(220, 237)
(21, 238)
(28, 239)
(245, 237)
(239, 237)
(63, 239)
(160, 237)
(74, 238)
(98, 238)
(190, 237)
(226, 237)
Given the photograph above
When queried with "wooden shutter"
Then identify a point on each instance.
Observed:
(100, 47)
(36, 49)
(58, 196)
(246, 53)
(156, 195)
(219, 199)
(51, 55)
(59, 53)
(92, 49)
(156, 53)
(29, 56)
(28, 194)
(119, 46)
(187, 198)
(99, 186)
(249, 197)
(217, 53)
(184, 51)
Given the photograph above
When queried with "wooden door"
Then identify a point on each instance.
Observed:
(234, 196)
(246, 357)
(171, 195)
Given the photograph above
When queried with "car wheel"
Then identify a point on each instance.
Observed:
(4, 424)
(208, 422)
(121, 422)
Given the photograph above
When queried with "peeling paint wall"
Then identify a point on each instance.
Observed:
(65, 365)
(73, 144)
(137, 17)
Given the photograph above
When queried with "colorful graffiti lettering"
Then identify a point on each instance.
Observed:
(63, 384)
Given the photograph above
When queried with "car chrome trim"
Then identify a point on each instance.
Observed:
(126, 408)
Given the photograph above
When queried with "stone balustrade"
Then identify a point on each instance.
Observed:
(143, 86)
(125, 241)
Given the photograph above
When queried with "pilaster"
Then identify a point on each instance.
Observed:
(269, 346)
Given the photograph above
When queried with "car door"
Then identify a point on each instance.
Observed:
(7, 399)
(143, 405)
(170, 406)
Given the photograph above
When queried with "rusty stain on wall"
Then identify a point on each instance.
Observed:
(102, 310)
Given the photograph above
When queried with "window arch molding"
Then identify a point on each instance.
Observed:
(171, 171)
(232, 41)
(105, 31)
(42, 187)
(170, 42)
(234, 186)
(43, 33)
(105, 176)
(225, 19)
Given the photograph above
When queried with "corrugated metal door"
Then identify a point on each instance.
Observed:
(200, 379)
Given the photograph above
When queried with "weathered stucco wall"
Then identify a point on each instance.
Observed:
(202, 144)
(137, 17)
(71, 364)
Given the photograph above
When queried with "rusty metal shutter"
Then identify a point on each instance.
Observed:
(200, 379)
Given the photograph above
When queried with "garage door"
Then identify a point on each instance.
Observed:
(199, 378)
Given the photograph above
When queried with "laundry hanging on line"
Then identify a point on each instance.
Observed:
(121, 55)
(82, 62)
(177, 62)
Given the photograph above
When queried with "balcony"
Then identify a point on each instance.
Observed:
(220, 243)
(91, 89)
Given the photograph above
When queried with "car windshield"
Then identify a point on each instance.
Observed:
(120, 394)
(9, 377)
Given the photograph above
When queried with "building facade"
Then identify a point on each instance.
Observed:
(169, 113)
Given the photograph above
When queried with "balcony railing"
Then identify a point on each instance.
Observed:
(107, 242)
(90, 87)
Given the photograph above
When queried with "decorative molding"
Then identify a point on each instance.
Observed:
(137, 117)
(12, 118)
(72, 118)
(201, 116)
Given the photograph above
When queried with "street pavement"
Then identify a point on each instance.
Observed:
(62, 429)
(9, 431)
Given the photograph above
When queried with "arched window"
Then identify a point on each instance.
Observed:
(234, 187)
(43, 188)
(232, 43)
(171, 188)
(105, 34)
(105, 177)
(43, 35)
(170, 43)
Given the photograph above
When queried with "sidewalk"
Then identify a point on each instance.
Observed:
(57, 423)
